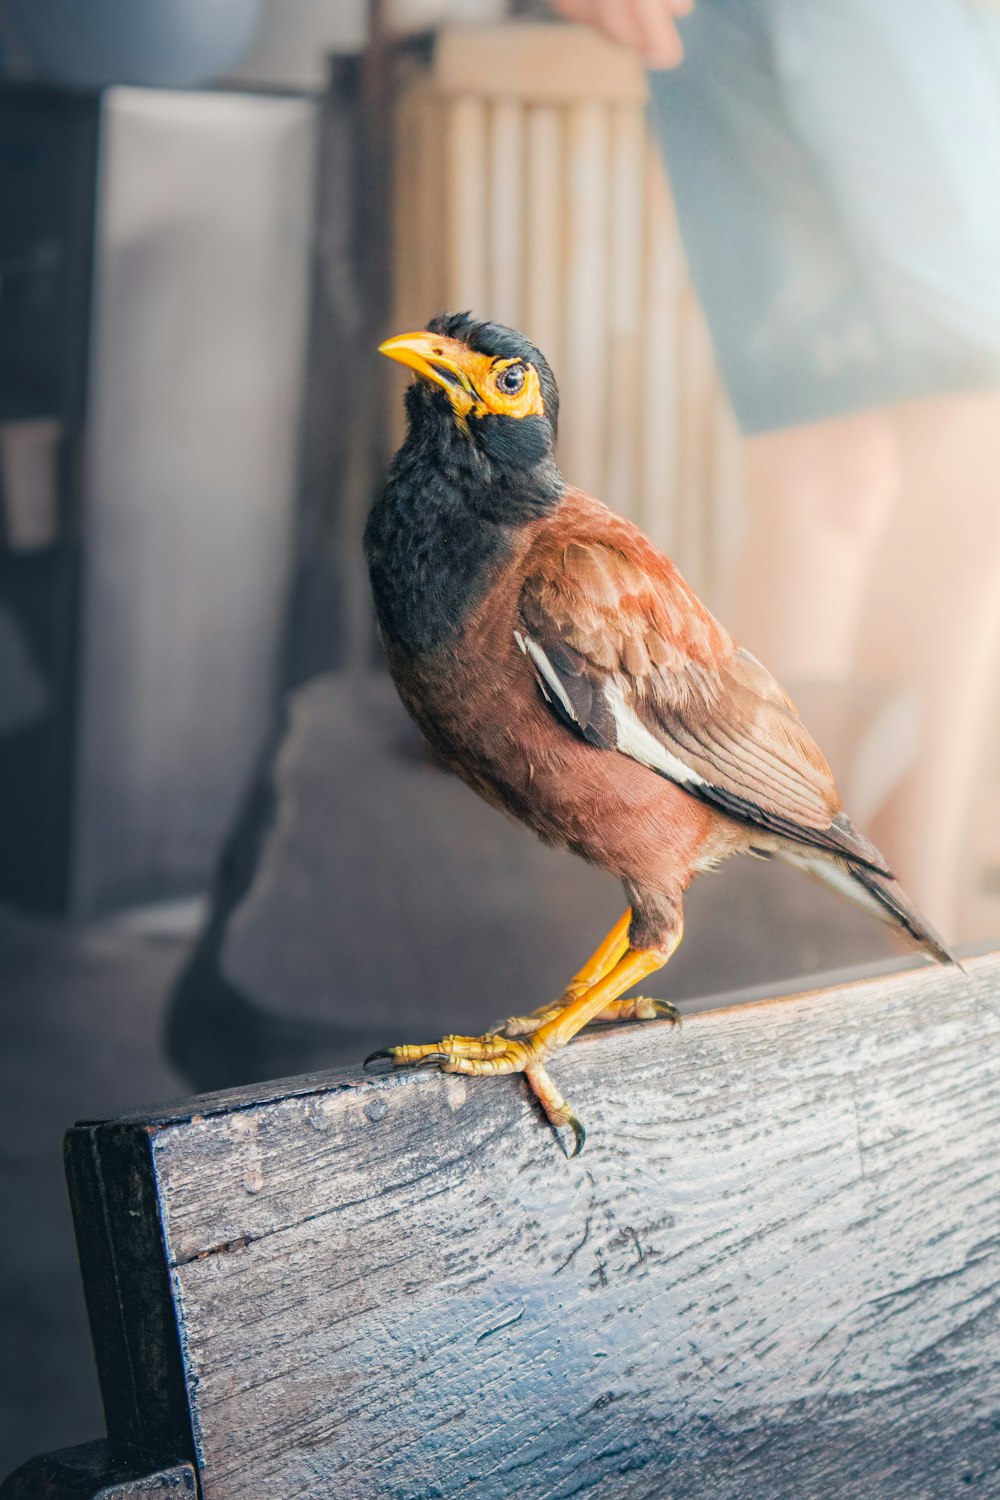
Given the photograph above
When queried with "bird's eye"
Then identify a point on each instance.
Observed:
(511, 380)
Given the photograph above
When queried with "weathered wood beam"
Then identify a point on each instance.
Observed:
(772, 1272)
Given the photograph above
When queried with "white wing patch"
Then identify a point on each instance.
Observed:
(631, 735)
(547, 676)
(634, 739)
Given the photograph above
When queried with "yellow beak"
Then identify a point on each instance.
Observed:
(436, 358)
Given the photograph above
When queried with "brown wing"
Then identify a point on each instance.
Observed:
(628, 657)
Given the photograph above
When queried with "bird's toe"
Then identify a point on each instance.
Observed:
(472, 1055)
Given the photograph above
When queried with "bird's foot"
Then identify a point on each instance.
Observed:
(634, 1008)
(492, 1054)
(462, 1054)
(588, 998)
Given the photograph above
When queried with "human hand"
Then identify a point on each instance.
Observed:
(648, 27)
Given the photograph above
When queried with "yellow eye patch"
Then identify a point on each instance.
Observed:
(511, 388)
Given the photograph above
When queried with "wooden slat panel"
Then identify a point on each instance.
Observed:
(420, 218)
(507, 196)
(585, 382)
(468, 205)
(772, 1273)
(625, 310)
(537, 64)
(662, 284)
(432, 208)
(544, 228)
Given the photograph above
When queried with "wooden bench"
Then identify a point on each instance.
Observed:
(773, 1272)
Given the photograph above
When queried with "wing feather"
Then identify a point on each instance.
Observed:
(629, 657)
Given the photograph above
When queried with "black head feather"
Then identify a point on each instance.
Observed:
(500, 342)
(509, 459)
(456, 494)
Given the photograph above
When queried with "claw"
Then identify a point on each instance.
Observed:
(579, 1136)
(384, 1053)
(389, 1054)
(667, 1012)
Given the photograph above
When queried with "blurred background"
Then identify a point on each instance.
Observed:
(223, 853)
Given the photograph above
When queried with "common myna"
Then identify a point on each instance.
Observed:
(556, 660)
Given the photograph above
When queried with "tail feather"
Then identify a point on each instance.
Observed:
(879, 894)
(898, 908)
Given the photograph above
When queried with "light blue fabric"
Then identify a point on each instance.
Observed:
(836, 167)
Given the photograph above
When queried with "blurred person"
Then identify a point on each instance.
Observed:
(835, 171)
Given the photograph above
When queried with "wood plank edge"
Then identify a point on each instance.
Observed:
(115, 1205)
(713, 1008)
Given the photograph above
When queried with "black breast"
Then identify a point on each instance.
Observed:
(430, 559)
(444, 527)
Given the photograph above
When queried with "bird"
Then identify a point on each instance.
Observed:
(556, 660)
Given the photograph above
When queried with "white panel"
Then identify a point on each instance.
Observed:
(196, 373)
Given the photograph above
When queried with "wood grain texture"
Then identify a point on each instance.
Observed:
(772, 1273)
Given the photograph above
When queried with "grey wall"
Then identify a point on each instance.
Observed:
(196, 375)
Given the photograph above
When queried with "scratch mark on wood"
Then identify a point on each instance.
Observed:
(224, 1247)
(507, 1323)
(639, 1251)
(575, 1250)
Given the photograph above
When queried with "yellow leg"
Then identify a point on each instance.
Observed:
(504, 1054)
(603, 959)
(634, 1008)
(561, 1028)
(600, 962)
